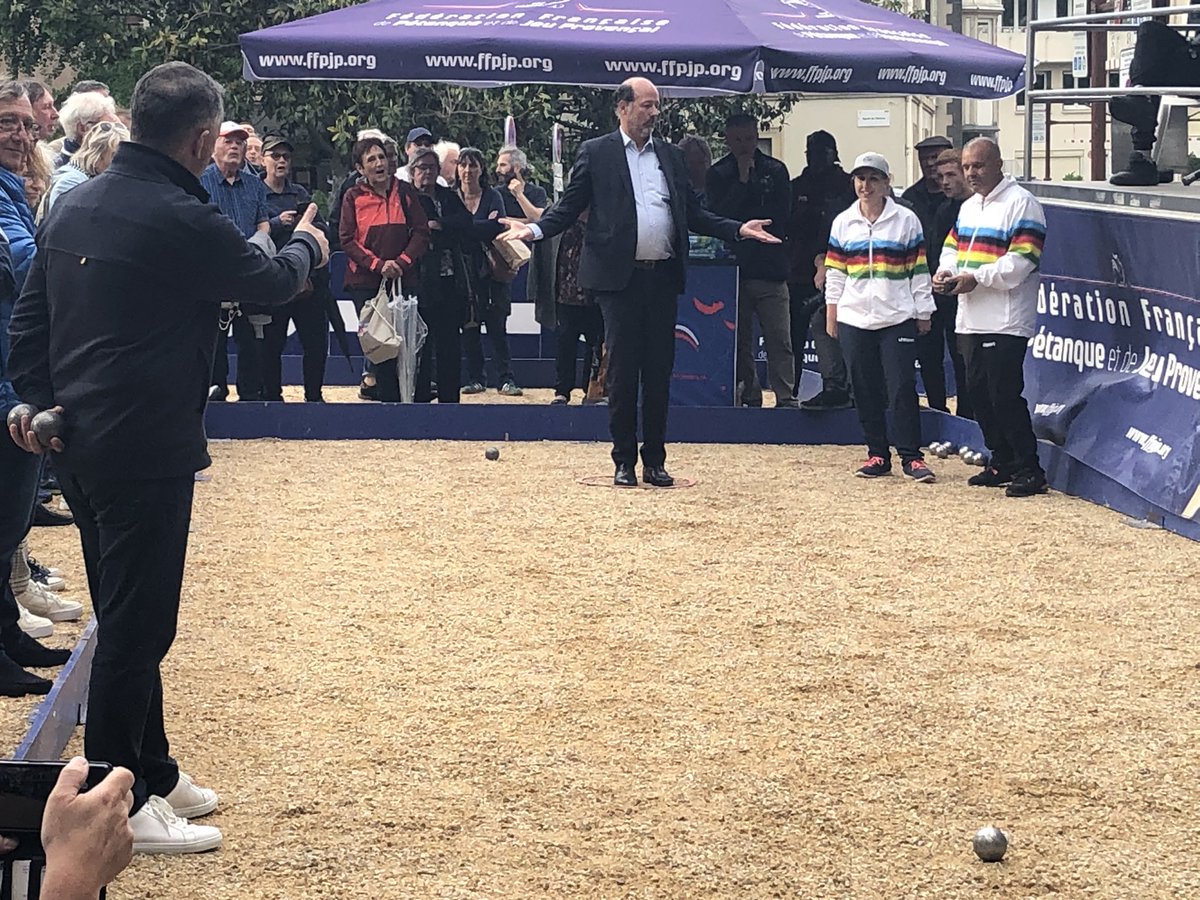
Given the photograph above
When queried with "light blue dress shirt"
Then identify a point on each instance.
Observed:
(652, 198)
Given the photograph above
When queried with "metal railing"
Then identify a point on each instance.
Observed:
(1103, 22)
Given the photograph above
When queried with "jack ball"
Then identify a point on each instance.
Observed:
(990, 844)
(492, 453)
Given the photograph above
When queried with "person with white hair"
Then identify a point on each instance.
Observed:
(78, 115)
(93, 157)
(447, 152)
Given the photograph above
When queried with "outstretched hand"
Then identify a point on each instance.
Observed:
(306, 225)
(515, 230)
(756, 230)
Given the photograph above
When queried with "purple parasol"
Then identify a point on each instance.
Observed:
(692, 46)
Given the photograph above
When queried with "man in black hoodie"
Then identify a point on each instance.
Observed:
(748, 184)
(819, 194)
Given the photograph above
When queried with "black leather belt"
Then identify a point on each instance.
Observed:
(649, 263)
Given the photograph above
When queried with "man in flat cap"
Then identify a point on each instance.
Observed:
(926, 195)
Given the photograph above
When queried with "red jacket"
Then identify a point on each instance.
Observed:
(376, 229)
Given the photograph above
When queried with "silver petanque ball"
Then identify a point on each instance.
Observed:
(964, 452)
(943, 451)
(977, 458)
(990, 844)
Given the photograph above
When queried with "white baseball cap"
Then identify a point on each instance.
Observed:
(874, 161)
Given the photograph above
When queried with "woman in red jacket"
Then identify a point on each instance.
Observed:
(384, 231)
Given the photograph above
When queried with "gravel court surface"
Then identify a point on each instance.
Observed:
(412, 672)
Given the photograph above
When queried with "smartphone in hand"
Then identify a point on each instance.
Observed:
(25, 787)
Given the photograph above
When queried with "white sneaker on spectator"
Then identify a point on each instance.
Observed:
(48, 604)
(156, 829)
(189, 800)
(34, 626)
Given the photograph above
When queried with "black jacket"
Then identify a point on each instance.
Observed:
(765, 195)
(453, 242)
(118, 319)
(925, 204)
(600, 180)
(818, 197)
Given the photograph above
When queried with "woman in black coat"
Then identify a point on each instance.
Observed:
(446, 279)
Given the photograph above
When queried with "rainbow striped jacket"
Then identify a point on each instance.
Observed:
(875, 272)
(998, 239)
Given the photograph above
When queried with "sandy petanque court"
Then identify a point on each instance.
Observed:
(412, 672)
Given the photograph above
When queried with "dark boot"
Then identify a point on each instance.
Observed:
(25, 651)
(1140, 172)
(16, 682)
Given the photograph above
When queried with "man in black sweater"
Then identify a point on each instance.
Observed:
(748, 184)
(116, 329)
(941, 337)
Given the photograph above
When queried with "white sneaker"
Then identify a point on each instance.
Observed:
(156, 829)
(34, 626)
(48, 604)
(189, 800)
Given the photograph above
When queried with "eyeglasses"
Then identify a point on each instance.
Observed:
(275, 154)
(426, 168)
(11, 124)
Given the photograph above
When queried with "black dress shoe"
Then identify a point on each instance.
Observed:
(44, 515)
(25, 651)
(625, 476)
(657, 476)
(16, 682)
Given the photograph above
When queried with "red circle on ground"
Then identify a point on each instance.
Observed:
(607, 481)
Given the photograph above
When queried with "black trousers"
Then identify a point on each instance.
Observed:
(308, 311)
(575, 322)
(249, 347)
(495, 304)
(639, 335)
(931, 352)
(882, 372)
(996, 382)
(134, 536)
(18, 492)
(443, 348)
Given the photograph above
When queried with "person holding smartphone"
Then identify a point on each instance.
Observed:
(85, 831)
(286, 202)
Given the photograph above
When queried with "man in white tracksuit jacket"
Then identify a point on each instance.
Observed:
(878, 299)
(990, 261)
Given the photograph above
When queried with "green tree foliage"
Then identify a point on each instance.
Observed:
(117, 41)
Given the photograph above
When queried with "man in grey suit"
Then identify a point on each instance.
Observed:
(634, 256)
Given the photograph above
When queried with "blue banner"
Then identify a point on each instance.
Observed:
(1113, 373)
(706, 337)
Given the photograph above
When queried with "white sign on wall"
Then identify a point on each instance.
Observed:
(1038, 123)
(1126, 62)
(874, 118)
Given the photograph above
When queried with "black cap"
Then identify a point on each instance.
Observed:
(417, 133)
(937, 142)
(821, 139)
(271, 141)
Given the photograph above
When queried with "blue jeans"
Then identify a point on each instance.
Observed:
(18, 490)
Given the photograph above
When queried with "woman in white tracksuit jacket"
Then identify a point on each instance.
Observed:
(878, 294)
